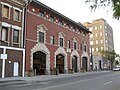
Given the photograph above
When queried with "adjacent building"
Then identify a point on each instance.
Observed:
(12, 55)
(100, 39)
(53, 41)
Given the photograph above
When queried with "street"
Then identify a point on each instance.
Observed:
(95, 81)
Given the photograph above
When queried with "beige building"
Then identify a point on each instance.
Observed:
(100, 39)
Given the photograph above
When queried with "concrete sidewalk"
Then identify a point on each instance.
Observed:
(47, 77)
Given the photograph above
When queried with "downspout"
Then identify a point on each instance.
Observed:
(24, 22)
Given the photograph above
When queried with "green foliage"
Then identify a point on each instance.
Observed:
(110, 55)
(116, 62)
(115, 6)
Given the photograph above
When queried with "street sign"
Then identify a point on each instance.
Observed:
(3, 56)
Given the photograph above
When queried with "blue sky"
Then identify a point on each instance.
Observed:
(78, 11)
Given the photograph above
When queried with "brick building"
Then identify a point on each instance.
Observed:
(11, 52)
(54, 41)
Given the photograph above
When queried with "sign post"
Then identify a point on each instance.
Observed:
(3, 57)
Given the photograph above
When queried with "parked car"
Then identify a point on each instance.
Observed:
(116, 68)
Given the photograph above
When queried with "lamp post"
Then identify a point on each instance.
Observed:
(91, 58)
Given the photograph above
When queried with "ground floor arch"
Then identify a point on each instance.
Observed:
(61, 55)
(39, 63)
(40, 54)
(74, 63)
(60, 63)
(85, 63)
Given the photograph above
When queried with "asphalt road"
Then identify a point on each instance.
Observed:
(96, 81)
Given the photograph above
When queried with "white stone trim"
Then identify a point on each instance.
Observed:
(16, 27)
(43, 48)
(61, 35)
(17, 9)
(75, 40)
(62, 51)
(75, 53)
(6, 24)
(6, 4)
(43, 29)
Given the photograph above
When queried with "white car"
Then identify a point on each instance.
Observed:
(116, 69)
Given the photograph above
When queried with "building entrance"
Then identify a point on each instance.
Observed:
(39, 63)
(84, 63)
(74, 63)
(60, 63)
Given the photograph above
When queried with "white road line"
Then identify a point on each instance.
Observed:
(107, 83)
(22, 85)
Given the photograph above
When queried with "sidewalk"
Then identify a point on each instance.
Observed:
(47, 77)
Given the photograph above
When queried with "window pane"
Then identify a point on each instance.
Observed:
(75, 45)
(61, 42)
(4, 34)
(68, 44)
(51, 39)
(85, 48)
(16, 36)
(41, 37)
(17, 15)
(6, 11)
(80, 46)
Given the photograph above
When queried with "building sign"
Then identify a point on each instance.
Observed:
(3, 56)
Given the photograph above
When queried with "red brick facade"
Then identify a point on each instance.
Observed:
(49, 23)
(11, 50)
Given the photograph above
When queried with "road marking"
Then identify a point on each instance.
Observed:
(44, 83)
(22, 85)
(107, 83)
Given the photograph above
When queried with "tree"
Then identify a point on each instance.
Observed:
(116, 62)
(114, 5)
(109, 55)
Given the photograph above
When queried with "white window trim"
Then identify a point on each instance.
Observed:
(16, 27)
(19, 37)
(61, 35)
(19, 14)
(8, 33)
(6, 4)
(6, 24)
(75, 40)
(17, 9)
(43, 29)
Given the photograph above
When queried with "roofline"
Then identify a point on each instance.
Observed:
(77, 24)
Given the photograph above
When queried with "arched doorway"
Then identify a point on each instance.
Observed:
(84, 63)
(60, 63)
(74, 63)
(39, 63)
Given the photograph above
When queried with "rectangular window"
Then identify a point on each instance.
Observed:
(5, 11)
(61, 42)
(41, 37)
(60, 22)
(101, 34)
(75, 45)
(52, 19)
(4, 34)
(51, 39)
(85, 48)
(80, 46)
(17, 15)
(68, 44)
(41, 14)
(16, 36)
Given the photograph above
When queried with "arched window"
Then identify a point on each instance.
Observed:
(61, 39)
